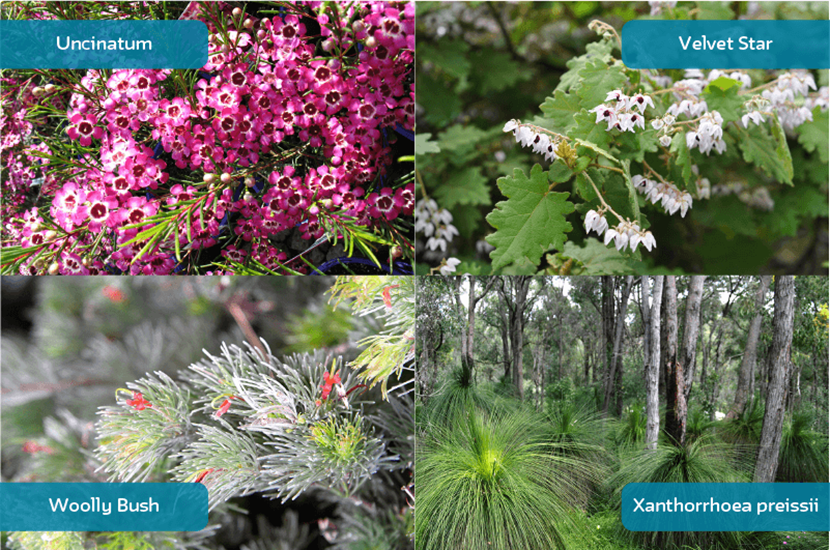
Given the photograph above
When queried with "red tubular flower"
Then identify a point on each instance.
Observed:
(223, 408)
(387, 297)
(329, 382)
(33, 447)
(138, 402)
(114, 294)
(202, 475)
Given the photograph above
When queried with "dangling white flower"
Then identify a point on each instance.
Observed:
(449, 266)
(753, 116)
(511, 125)
(594, 221)
(648, 241)
(665, 140)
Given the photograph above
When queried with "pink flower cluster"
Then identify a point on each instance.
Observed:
(282, 130)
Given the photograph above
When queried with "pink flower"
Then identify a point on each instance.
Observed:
(384, 204)
(84, 127)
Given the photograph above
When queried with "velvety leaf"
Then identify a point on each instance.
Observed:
(714, 10)
(598, 259)
(561, 109)
(495, 70)
(726, 102)
(450, 56)
(597, 79)
(768, 151)
(596, 50)
(459, 139)
(530, 222)
(587, 130)
(440, 101)
(423, 144)
(467, 219)
(467, 186)
(813, 135)
(683, 158)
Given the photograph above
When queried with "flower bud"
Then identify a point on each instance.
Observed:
(248, 23)
(358, 26)
(236, 12)
(50, 88)
(249, 181)
(209, 178)
(225, 178)
(37, 92)
(328, 45)
(49, 235)
(371, 42)
(53, 269)
(396, 252)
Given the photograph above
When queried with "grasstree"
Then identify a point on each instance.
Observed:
(311, 427)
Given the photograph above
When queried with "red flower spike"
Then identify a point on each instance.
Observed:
(138, 402)
(223, 408)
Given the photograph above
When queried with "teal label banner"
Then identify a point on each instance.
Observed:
(103, 44)
(103, 506)
(726, 507)
(726, 44)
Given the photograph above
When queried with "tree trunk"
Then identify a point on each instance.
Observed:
(675, 394)
(505, 333)
(644, 313)
(746, 373)
(614, 381)
(691, 328)
(468, 349)
(607, 332)
(517, 303)
(782, 336)
(653, 368)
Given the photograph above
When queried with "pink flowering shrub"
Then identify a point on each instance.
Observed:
(286, 138)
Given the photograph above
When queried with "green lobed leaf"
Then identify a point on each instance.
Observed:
(561, 109)
(530, 222)
(597, 79)
(683, 157)
(465, 186)
(638, 143)
(596, 50)
(714, 10)
(450, 56)
(423, 144)
(633, 203)
(440, 101)
(598, 259)
(495, 70)
(459, 139)
(768, 151)
(588, 130)
(467, 219)
(813, 135)
(723, 83)
(726, 102)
